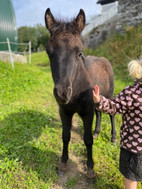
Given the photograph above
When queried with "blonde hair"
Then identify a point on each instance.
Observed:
(135, 69)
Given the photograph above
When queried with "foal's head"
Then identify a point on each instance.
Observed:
(65, 52)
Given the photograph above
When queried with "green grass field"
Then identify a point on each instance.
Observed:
(30, 128)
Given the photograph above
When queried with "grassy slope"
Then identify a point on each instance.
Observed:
(28, 126)
(30, 130)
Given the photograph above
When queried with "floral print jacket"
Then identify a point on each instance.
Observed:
(128, 103)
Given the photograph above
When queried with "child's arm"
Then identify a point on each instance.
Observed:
(119, 105)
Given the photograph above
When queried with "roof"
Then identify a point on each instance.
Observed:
(103, 2)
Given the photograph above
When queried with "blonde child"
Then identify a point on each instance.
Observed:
(128, 103)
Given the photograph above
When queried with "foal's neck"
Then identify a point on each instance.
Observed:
(82, 80)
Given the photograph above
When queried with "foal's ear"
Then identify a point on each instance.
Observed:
(80, 19)
(49, 19)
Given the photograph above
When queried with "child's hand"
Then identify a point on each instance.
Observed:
(96, 94)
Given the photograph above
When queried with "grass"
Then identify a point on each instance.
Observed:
(71, 183)
(30, 128)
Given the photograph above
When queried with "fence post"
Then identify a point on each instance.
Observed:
(10, 53)
(30, 52)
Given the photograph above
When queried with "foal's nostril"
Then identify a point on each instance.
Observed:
(57, 92)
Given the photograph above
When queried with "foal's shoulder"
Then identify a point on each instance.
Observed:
(94, 59)
(90, 59)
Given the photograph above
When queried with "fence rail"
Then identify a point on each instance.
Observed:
(10, 52)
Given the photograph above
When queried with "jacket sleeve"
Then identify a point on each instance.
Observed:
(118, 105)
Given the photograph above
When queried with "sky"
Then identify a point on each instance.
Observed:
(31, 12)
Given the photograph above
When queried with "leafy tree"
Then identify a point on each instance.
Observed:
(43, 36)
(38, 36)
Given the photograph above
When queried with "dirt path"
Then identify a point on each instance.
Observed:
(75, 168)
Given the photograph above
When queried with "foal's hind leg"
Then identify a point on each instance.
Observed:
(113, 130)
(98, 124)
(66, 118)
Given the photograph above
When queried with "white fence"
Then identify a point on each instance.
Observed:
(101, 19)
(10, 53)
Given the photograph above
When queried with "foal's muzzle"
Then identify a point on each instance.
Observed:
(62, 95)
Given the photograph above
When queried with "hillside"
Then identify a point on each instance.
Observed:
(122, 14)
(30, 127)
(120, 49)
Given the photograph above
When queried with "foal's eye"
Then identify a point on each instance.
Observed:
(80, 54)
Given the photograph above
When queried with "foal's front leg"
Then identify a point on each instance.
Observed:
(88, 140)
(66, 118)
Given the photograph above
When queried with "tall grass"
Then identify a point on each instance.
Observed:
(29, 143)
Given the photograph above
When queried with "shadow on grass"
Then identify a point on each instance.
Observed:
(45, 67)
(43, 64)
(19, 141)
(31, 138)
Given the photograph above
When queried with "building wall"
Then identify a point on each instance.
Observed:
(108, 11)
(7, 25)
(129, 14)
(108, 7)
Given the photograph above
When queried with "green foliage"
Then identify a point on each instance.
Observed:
(120, 49)
(28, 127)
(38, 35)
(26, 34)
(71, 183)
(43, 35)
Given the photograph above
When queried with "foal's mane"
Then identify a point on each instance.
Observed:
(65, 26)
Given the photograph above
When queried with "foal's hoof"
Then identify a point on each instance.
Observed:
(60, 173)
(95, 135)
(61, 169)
(114, 141)
(90, 174)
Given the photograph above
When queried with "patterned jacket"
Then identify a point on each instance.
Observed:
(128, 103)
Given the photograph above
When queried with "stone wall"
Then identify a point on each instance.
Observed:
(100, 34)
(5, 56)
(129, 14)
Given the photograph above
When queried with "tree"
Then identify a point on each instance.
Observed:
(38, 36)
(43, 36)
